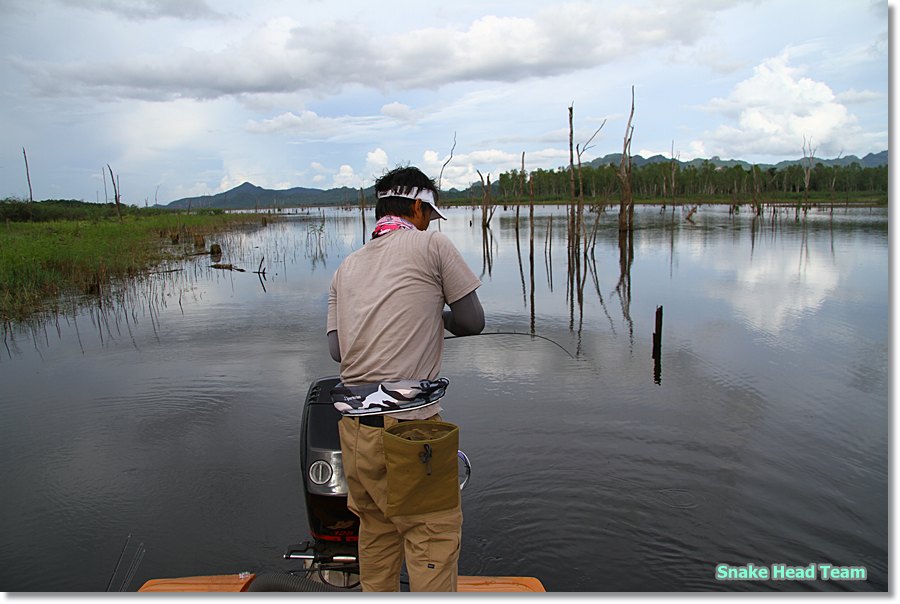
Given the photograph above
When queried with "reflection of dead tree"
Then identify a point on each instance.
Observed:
(519, 257)
(754, 233)
(530, 237)
(548, 253)
(623, 287)
(592, 266)
(518, 250)
(487, 252)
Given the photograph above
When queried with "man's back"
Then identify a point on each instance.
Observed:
(386, 301)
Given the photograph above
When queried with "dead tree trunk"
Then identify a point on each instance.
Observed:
(807, 167)
(522, 177)
(571, 155)
(572, 239)
(362, 212)
(116, 192)
(28, 176)
(487, 206)
(30, 193)
(626, 200)
(674, 170)
(441, 175)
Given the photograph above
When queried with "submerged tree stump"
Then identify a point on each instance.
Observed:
(227, 267)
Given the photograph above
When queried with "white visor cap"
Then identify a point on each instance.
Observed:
(424, 195)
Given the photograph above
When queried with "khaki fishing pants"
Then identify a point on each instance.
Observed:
(428, 542)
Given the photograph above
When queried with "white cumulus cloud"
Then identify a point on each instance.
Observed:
(286, 55)
(776, 109)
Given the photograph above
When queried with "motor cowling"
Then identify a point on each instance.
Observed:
(331, 524)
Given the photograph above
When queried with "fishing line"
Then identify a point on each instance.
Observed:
(515, 333)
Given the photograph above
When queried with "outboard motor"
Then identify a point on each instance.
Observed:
(333, 553)
(324, 485)
(334, 528)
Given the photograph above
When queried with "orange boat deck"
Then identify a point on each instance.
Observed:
(241, 582)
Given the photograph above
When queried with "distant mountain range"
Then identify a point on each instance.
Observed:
(872, 160)
(249, 196)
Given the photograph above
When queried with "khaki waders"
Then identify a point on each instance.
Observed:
(429, 542)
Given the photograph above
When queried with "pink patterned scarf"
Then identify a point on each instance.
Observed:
(386, 224)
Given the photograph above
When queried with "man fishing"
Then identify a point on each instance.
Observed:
(386, 322)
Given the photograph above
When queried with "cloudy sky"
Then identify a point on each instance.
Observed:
(191, 97)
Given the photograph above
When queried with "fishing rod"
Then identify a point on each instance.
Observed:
(118, 562)
(515, 333)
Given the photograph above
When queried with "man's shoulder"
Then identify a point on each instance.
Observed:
(425, 239)
(435, 238)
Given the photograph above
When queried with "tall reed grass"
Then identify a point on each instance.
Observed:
(41, 263)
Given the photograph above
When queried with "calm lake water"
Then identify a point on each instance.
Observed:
(762, 436)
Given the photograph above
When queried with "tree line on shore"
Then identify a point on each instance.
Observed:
(670, 181)
(14, 210)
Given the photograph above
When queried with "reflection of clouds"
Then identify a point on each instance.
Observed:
(775, 288)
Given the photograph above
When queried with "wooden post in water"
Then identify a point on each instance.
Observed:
(657, 346)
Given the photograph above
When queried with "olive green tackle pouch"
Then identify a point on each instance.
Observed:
(422, 470)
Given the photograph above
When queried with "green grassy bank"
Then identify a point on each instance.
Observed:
(42, 261)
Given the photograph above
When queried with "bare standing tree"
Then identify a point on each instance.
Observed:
(588, 239)
(674, 164)
(362, 211)
(522, 177)
(28, 176)
(572, 214)
(441, 175)
(808, 153)
(116, 191)
(571, 153)
(834, 173)
(487, 206)
(580, 151)
(626, 201)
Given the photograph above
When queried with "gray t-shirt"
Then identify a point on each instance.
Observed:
(386, 301)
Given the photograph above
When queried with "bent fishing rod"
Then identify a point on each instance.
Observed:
(514, 333)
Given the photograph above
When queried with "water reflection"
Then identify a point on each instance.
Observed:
(778, 278)
(170, 410)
